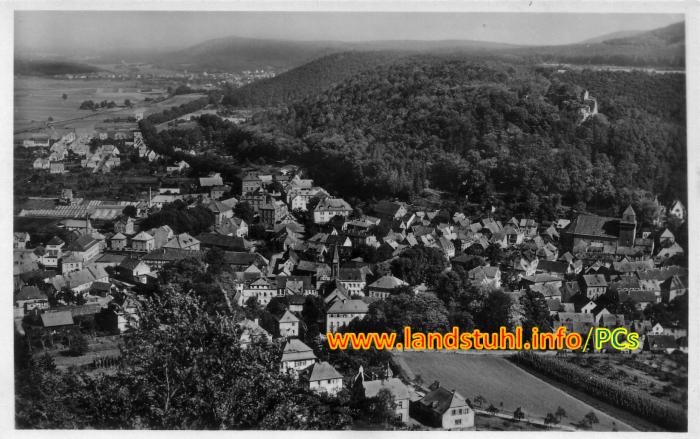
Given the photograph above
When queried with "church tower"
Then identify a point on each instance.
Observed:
(336, 263)
(628, 228)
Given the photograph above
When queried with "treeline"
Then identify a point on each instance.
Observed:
(175, 112)
(657, 411)
(91, 105)
(181, 218)
(50, 68)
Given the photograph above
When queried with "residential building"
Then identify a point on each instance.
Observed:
(342, 312)
(322, 377)
(486, 276)
(442, 408)
(221, 211)
(594, 285)
(118, 242)
(287, 324)
(399, 391)
(183, 241)
(353, 280)
(143, 242)
(384, 286)
(272, 212)
(86, 247)
(296, 356)
(327, 208)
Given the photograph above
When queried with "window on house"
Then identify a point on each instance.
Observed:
(458, 422)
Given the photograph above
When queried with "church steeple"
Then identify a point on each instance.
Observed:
(336, 262)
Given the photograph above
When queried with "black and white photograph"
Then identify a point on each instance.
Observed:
(405, 220)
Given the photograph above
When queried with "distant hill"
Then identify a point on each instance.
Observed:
(309, 79)
(50, 68)
(610, 36)
(235, 53)
(671, 35)
(664, 47)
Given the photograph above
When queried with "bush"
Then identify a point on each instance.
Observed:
(78, 346)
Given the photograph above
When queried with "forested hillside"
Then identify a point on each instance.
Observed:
(486, 129)
(486, 132)
(307, 80)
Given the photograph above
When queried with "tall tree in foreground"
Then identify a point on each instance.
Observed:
(182, 369)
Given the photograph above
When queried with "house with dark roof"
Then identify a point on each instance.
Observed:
(57, 319)
(587, 229)
(183, 241)
(673, 287)
(660, 343)
(353, 279)
(339, 293)
(389, 210)
(230, 243)
(30, 297)
(442, 408)
(86, 247)
(594, 285)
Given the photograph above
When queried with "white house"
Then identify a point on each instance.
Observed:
(296, 356)
(342, 312)
(324, 378)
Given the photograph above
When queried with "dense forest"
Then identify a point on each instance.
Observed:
(487, 132)
(308, 79)
(486, 129)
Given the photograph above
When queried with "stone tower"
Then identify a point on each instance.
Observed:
(628, 228)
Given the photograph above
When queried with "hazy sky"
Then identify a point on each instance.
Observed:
(57, 30)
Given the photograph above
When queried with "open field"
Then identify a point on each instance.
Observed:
(37, 99)
(499, 381)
